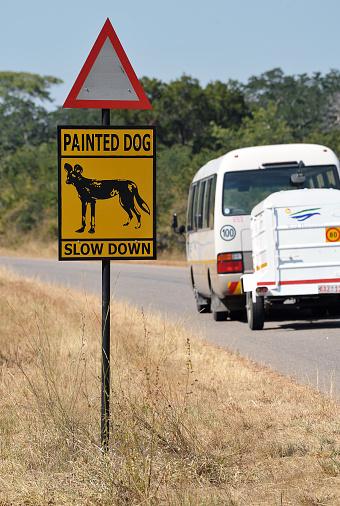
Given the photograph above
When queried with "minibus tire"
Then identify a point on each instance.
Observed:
(334, 310)
(255, 312)
(319, 312)
(220, 316)
(202, 303)
(202, 308)
(238, 315)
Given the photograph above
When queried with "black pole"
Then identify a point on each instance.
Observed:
(105, 410)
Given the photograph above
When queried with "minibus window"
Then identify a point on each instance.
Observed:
(321, 183)
(212, 203)
(207, 204)
(199, 216)
(194, 207)
(242, 190)
(330, 179)
(190, 216)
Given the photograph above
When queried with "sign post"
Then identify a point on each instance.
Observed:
(106, 180)
(105, 402)
(107, 209)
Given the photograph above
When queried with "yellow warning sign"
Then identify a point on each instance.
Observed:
(106, 193)
(333, 234)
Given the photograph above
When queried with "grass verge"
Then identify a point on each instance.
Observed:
(49, 250)
(190, 424)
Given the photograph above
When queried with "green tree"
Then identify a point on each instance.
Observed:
(29, 195)
(226, 105)
(180, 112)
(265, 127)
(153, 88)
(301, 100)
(22, 85)
(174, 173)
(73, 117)
(22, 120)
(187, 112)
(176, 166)
(183, 110)
(194, 125)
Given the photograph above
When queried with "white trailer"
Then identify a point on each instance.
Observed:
(296, 253)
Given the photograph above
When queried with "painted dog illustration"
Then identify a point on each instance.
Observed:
(91, 190)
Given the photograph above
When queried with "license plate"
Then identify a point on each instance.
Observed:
(329, 289)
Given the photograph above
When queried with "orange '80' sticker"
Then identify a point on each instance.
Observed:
(333, 234)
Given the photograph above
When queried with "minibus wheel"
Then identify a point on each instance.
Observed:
(203, 308)
(202, 303)
(238, 314)
(255, 312)
(334, 310)
(319, 312)
(218, 316)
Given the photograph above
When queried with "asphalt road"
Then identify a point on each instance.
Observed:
(290, 343)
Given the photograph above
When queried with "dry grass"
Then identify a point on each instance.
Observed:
(31, 249)
(190, 424)
(37, 249)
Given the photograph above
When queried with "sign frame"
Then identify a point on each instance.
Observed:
(138, 247)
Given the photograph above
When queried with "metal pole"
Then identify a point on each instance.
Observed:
(105, 408)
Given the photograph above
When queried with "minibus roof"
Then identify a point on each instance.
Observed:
(261, 157)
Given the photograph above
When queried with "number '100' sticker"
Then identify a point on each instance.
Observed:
(228, 233)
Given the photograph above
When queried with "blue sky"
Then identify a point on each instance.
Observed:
(209, 40)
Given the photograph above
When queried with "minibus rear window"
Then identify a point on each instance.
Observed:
(242, 190)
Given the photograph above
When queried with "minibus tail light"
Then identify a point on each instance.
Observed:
(228, 263)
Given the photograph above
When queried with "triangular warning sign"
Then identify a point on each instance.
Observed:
(107, 79)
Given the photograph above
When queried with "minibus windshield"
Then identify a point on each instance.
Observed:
(242, 190)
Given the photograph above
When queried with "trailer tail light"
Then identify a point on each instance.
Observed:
(228, 263)
(261, 289)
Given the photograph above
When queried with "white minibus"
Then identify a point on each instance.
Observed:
(221, 197)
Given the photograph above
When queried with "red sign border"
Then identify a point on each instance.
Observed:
(72, 102)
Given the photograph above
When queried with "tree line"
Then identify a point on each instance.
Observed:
(194, 124)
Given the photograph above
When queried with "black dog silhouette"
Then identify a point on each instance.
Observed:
(91, 190)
